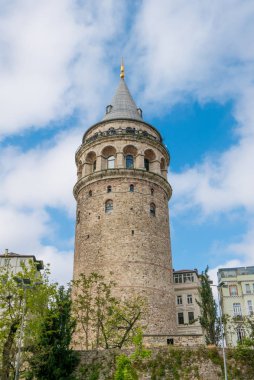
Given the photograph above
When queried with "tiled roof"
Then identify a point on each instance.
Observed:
(12, 254)
(123, 105)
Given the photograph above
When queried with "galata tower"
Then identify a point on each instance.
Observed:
(122, 194)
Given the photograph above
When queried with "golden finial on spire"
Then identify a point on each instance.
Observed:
(122, 69)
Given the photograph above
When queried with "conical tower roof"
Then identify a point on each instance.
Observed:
(122, 105)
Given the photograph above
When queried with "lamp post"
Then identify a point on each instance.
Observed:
(25, 283)
(222, 330)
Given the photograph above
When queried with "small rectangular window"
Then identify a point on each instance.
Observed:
(233, 290)
(189, 298)
(247, 288)
(191, 316)
(7, 262)
(178, 278)
(237, 310)
(250, 307)
(179, 300)
(188, 277)
(180, 319)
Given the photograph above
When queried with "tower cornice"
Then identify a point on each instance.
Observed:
(123, 173)
(104, 122)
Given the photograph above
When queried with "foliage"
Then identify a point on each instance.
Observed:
(52, 358)
(104, 320)
(17, 299)
(89, 371)
(243, 353)
(125, 365)
(208, 311)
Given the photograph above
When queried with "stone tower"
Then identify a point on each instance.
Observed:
(122, 222)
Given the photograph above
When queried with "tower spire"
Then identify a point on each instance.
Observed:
(122, 70)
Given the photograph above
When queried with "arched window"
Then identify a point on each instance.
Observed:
(152, 209)
(90, 193)
(111, 162)
(147, 164)
(149, 159)
(131, 188)
(90, 162)
(108, 206)
(109, 189)
(152, 191)
(129, 161)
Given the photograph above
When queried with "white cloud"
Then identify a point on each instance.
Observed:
(21, 232)
(61, 263)
(218, 185)
(203, 51)
(30, 182)
(40, 177)
(52, 60)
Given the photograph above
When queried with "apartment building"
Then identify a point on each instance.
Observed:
(14, 261)
(186, 285)
(237, 300)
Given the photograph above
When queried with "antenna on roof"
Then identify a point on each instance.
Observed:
(122, 69)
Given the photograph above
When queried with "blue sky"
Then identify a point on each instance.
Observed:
(189, 66)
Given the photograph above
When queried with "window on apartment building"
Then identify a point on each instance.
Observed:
(188, 277)
(179, 300)
(247, 288)
(191, 316)
(233, 290)
(237, 310)
(240, 333)
(7, 262)
(189, 298)
(250, 307)
(178, 278)
(180, 319)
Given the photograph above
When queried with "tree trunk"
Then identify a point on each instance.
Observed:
(6, 356)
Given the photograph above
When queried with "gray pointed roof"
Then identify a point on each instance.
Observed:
(122, 105)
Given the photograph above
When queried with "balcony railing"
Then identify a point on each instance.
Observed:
(121, 131)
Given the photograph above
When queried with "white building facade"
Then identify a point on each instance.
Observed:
(14, 261)
(186, 285)
(237, 301)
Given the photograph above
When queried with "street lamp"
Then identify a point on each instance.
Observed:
(25, 283)
(222, 329)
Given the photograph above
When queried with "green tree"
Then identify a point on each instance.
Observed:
(208, 310)
(52, 359)
(17, 299)
(126, 365)
(104, 320)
